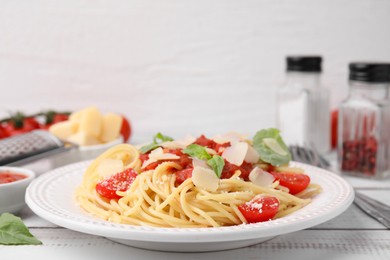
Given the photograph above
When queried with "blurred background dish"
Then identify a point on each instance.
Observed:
(13, 184)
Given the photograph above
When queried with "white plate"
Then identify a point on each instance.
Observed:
(51, 196)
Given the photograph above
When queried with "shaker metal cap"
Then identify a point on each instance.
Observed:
(374, 72)
(304, 63)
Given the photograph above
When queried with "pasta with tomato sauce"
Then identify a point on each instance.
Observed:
(196, 182)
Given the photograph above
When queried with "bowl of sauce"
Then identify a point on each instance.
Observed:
(13, 184)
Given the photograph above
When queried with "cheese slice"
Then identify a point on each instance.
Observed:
(260, 177)
(236, 153)
(82, 138)
(63, 129)
(91, 122)
(111, 126)
(204, 178)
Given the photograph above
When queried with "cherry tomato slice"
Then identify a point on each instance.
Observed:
(261, 208)
(295, 182)
(120, 181)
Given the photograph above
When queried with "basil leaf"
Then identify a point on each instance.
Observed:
(216, 163)
(160, 138)
(274, 155)
(14, 232)
(157, 139)
(198, 151)
(148, 147)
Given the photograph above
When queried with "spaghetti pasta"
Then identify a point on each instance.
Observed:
(157, 198)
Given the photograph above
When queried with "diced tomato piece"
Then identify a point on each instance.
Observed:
(260, 208)
(125, 129)
(183, 175)
(120, 181)
(204, 141)
(229, 169)
(295, 182)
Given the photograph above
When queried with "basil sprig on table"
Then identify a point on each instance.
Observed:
(216, 162)
(14, 232)
(271, 148)
(157, 140)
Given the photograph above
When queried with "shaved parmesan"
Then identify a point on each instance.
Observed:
(252, 156)
(274, 146)
(236, 153)
(199, 163)
(232, 137)
(108, 167)
(159, 155)
(260, 177)
(204, 178)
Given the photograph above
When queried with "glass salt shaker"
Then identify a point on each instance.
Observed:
(364, 122)
(303, 108)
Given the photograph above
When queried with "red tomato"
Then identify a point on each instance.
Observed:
(229, 169)
(333, 130)
(120, 181)
(295, 182)
(204, 141)
(20, 125)
(260, 208)
(3, 133)
(183, 175)
(125, 129)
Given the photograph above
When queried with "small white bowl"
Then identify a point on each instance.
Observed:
(12, 194)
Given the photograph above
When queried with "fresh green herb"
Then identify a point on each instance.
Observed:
(14, 232)
(271, 148)
(216, 163)
(198, 151)
(160, 138)
(157, 140)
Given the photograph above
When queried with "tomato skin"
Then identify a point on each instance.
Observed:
(3, 132)
(333, 130)
(229, 169)
(120, 181)
(295, 182)
(261, 208)
(26, 125)
(125, 129)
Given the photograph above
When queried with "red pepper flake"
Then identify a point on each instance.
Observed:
(360, 155)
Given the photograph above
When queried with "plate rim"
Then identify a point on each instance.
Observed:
(88, 223)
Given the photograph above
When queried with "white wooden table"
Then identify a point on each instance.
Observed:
(352, 235)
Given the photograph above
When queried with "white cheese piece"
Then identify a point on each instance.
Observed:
(252, 156)
(63, 129)
(91, 122)
(147, 162)
(83, 139)
(236, 153)
(232, 137)
(274, 146)
(260, 177)
(179, 144)
(204, 178)
(111, 126)
(211, 151)
(109, 167)
(199, 163)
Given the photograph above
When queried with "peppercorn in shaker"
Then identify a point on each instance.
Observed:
(303, 111)
(364, 122)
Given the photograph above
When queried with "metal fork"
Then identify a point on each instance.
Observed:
(377, 210)
(308, 154)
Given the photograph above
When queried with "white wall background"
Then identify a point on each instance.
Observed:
(179, 67)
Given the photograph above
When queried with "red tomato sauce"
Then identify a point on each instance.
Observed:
(7, 177)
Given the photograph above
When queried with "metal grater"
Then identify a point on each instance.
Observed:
(31, 146)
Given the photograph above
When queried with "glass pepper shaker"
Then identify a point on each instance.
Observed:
(303, 108)
(364, 122)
